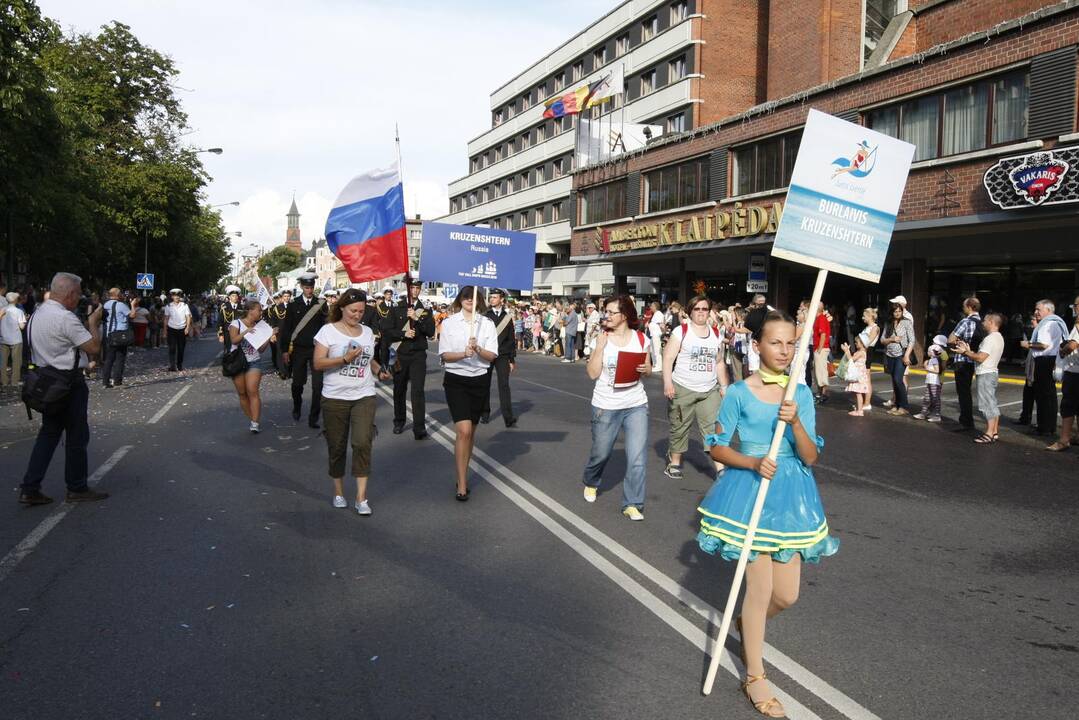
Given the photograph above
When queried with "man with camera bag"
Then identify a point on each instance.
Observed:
(55, 337)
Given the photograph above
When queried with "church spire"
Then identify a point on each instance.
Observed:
(292, 234)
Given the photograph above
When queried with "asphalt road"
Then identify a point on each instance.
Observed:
(218, 581)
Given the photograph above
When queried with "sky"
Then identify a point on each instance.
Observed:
(302, 96)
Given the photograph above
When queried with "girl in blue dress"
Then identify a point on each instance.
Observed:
(792, 526)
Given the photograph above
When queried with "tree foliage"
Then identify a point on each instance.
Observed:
(280, 259)
(93, 169)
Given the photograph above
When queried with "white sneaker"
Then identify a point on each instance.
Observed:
(589, 494)
(339, 501)
(363, 508)
(255, 427)
(633, 513)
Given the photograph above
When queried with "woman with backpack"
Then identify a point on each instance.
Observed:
(619, 406)
(694, 380)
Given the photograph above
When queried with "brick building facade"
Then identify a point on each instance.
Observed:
(970, 82)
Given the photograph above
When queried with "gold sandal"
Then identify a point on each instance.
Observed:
(764, 707)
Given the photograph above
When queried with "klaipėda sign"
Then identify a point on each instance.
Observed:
(739, 221)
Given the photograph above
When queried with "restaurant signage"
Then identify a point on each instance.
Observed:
(1050, 177)
(738, 222)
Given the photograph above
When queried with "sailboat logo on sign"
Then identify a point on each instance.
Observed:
(1038, 177)
(484, 270)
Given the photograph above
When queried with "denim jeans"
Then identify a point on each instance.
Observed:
(605, 427)
(70, 422)
(896, 368)
(571, 339)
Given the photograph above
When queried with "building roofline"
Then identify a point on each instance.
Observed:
(802, 96)
(573, 37)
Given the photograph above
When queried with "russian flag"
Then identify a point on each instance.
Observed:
(366, 226)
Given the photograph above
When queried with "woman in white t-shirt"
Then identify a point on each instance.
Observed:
(466, 352)
(694, 380)
(251, 334)
(345, 353)
(656, 326)
(619, 408)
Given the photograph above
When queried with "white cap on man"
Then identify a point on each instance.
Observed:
(329, 292)
(232, 289)
(899, 300)
(176, 291)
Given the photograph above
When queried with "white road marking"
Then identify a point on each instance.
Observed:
(31, 541)
(161, 413)
(784, 663)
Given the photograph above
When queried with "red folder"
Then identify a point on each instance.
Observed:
(625, 373)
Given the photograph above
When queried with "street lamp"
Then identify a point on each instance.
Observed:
(215, 151)
(234, 203)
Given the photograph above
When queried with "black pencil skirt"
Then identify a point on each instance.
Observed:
(466, 396)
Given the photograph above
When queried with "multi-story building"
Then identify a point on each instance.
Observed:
(686, 63)
(984, 89)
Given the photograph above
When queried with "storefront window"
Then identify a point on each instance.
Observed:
(765, 165)
(1011, 104)
(965, 113)
(603, 202)
(963, 119)
(677, 186)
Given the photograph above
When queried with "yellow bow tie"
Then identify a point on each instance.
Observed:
(779, 379)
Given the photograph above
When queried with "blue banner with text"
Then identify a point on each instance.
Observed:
(469, 255)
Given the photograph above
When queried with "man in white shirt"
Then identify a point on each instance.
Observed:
(12, 323)
(178, 323)
(987, 360)
(1044, 345)
(56, 336)
(1069, 383)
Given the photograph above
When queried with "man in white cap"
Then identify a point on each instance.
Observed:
(177, 326)
(409, 327)
(227, 313)
(303, 319)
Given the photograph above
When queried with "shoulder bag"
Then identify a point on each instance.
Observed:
(118, 338)
(234, 361)
(46, 389)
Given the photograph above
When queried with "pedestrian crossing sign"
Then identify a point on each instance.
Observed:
(144, 281)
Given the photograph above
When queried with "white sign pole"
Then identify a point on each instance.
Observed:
(797, 370)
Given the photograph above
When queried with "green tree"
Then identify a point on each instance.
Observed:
(280, 259)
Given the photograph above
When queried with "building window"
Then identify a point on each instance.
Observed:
(498, 153)
(524, 181)
(556, 211)
(649, 28)
(621, 45)
(539, 216)
(679, 11)
(498, 117)
(648, 82)
(559, 81)
(526, 101)
(541, 93)
(509, 111)
(524, 219)
(541, 132)
(416, 234)
(578, 71)
(509, 185)
(878, 13)
(556, 166)
(472, 199)
(765, 165)
(602, 202)
(676, 69)
(485, 195)
(599, 57)
(524, 141)
(676, 123)
(453, 205)
(539, 175)
(963, 119)
(677, 186)
(475, 164)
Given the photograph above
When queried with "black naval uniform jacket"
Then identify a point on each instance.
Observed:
(424, 325)
(275, 315)
(297, 309)
(507, 340)
(227, 314)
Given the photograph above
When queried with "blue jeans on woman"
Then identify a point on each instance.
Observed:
(896, 369)
(605, 427)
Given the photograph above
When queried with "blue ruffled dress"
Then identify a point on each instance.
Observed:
(792, 520)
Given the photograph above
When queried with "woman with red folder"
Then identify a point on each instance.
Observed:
(619, 402)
